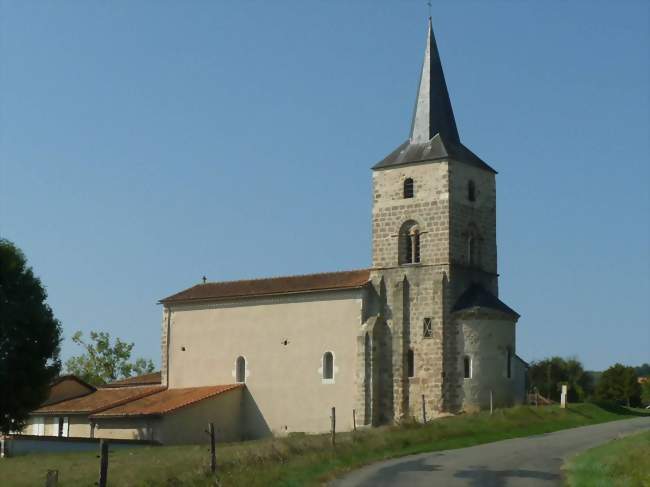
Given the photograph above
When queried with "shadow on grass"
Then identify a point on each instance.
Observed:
(614, 408)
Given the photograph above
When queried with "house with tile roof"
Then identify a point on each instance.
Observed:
(422, 331)
(139, 408)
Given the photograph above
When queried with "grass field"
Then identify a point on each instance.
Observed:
(299, 460)
(621, 463)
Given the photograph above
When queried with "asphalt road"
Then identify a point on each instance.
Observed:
(532, 461)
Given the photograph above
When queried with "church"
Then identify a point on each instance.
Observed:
(420, 334)
(422, 330)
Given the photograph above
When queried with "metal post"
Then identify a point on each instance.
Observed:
(103, 463)
(354, 420)
(333, 418)
(424, 410)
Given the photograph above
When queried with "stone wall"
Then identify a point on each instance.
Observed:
(429, 208)
(473, 218)
(486, 338)
(429, 289)
(408, 294)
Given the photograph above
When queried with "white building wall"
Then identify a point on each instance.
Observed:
(283, 340)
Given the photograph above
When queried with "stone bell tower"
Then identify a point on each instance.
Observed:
(434, 240)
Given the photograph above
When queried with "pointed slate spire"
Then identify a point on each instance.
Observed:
(433, 113)
(434, 136)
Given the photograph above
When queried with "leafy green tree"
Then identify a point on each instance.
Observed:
(104, 361)
(30, 338)
(619, 384)
(643, 370)
(645, 393)
(550, 374)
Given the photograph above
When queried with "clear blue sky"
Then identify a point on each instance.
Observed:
(145, 144)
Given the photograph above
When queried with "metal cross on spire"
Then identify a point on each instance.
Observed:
(429, 4)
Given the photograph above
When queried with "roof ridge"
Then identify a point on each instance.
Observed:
(282, 277)
(267, 286)
(128, 399)
(132, 381)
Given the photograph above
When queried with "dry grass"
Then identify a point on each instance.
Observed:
(300, 460)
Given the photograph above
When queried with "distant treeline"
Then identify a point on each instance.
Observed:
(619, 383)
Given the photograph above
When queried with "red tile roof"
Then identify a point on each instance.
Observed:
(140, 380)
(166, 401)
(73, 377)
(270, 286)
(99, 400)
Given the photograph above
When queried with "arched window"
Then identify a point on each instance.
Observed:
(467, 367)
(472, 256)
(410, 363)
(408, 188)
(240, 370)
(508, 362)
(409, 243)
(328, 366)
(471, 191)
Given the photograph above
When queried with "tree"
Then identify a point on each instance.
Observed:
(619, 384)
(550, 374)
(645, 393)
(104, 362)
(30, 338)
(643, 370)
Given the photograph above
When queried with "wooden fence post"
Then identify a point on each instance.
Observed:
(213, 448)
(333, 418)
(52, 478)
(424, 410)
(491, 409)
(103, 463)
(354, 420)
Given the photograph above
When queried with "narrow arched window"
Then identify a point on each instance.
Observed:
(328, 365)
(240, 370)
(467, 367)
(408, 188)
(471, 191)
(472, 251)
(410, 363)
(508, 362)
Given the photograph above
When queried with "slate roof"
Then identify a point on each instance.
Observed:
(99, 400)
(272, 286)
(476, 296)
(141, 380)
(166, 401)
(432, 150)
(434, 134)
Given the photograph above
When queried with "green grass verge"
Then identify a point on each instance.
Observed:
(620, 463)
(301, 460)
